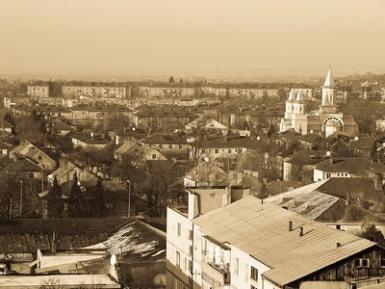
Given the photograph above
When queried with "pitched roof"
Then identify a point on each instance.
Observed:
(23, 165)
(329, 81)
(359, 166)
(115, 236)
(261, 230)
(164, 139)
(72, 281)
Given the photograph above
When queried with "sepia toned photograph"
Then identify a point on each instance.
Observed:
(192, 144)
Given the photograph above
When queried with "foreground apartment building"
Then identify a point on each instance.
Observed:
(227, 239)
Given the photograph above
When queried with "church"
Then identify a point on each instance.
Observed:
(324, 121)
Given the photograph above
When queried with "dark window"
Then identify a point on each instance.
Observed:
(362, 263)
(254, 274)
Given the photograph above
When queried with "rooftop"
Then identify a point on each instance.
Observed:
(28, 281)
(261, 230)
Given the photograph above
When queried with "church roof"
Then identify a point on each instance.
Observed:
(329, 81)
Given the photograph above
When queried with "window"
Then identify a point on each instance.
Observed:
(216, 151)
(190, 235)
(154, 156)
(254, 274)
(229, 151)
(189, 266)
(382, 262)
(362, 263)
(180, 146)
(179, 229)
(236, 266)
(177, 263)
(170, 146)
(252, 287)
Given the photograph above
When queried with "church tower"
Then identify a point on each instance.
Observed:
(327, 94)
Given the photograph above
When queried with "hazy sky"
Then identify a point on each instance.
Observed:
(191, 36)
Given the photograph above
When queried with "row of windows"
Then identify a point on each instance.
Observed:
(223, 150)
(187, 263)
(171, 146)
(179, 231)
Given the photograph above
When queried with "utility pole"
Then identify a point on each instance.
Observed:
(42, 178)
(21, 198)
(129, 198)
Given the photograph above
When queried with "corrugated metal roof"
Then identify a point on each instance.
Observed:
(261, 230)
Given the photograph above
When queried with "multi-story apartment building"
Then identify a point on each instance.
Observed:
(100, 90)
(168, 91)
(214, 91)
(253, 93)
(38, 90)
(225, 242)
(183, 247)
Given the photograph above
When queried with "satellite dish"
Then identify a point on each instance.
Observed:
(356, 138)
(160, 280)
(113, 260)
(328, 153)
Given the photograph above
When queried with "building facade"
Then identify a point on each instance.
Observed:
(326, 120)
(95, 91)
(38, 90)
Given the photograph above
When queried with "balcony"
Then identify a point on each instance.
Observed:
(215, 274)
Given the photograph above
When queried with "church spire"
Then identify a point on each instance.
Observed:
(329, 81)
(328, 90)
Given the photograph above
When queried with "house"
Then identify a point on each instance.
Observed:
(210, 125)
(224, 147)
(29, 150)
(6, 127)
(4, 148)
(171, 145)
(59, 128)
(250, 244)
(347, 168)
(23, 168)
(66, 170)
(148, 153)
(89, 140)
(125, 146)
(63, 247)
(336, 200)
(205, 174)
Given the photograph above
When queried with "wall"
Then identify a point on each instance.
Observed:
(242, 279)
(141, 274)
(179, 243)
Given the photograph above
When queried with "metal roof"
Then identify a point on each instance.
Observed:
(262, 230)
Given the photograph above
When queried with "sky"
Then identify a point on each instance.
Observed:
(191, 37)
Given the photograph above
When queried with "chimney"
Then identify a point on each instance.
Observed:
(300, 231)
(193, 205)
(338, 244)
(290, 226)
